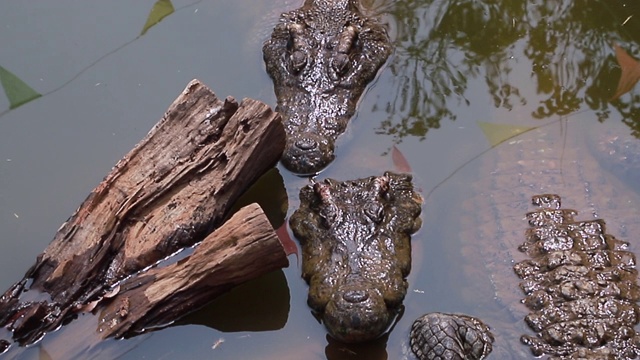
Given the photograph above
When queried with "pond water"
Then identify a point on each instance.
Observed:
(457, 65)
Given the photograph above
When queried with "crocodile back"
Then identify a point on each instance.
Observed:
(545, 160)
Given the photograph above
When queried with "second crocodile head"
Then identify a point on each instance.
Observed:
(356, 251)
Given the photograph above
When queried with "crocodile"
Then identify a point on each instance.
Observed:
(356, 255)
(321, 57)
(543, 162)
(359, 303)
(356, 251)
(580, 284)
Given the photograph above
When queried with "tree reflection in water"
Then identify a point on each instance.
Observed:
(441, 46)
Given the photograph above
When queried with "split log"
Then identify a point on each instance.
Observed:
(168, 193)
(244, 246)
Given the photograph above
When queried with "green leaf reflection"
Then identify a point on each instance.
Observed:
(499, 133)
(17, 91)
(445, 47)
(160, 10)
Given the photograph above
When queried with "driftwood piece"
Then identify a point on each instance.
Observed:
(166, 194)
(244, 246)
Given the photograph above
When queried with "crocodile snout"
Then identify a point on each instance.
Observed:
(308, 153)
(355, 296)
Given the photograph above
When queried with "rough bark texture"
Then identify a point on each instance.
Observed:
(244, 247)
(167, 193)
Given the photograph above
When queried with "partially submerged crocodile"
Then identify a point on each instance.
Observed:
(581, 286)
(541, 162)
(355, 241)
(321, 58)
(356, 252)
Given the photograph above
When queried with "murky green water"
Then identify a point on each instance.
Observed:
(456, 64)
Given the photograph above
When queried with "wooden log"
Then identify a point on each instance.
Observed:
(244, 247)
(166, 194)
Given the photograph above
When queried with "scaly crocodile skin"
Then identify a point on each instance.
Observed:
(546, 160)
(321, 58)
(580, 284)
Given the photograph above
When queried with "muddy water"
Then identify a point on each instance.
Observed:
(456, 64)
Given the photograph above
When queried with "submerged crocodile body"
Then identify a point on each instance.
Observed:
(321, 58)
(543, 162)
(355, 242)
(580, 284)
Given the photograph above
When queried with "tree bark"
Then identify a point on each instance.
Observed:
(166, 194)
(244, 246)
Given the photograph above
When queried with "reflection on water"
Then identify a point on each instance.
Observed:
(456, 63)
(444, 48)
(261, 304)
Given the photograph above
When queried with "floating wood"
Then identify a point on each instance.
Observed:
(244, 246)
(168, 193)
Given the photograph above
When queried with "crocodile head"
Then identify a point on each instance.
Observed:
(321, 57)
(355, 238)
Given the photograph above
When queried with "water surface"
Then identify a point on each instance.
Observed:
(456, 64)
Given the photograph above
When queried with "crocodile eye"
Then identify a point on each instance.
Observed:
(297, 61)
(328, 216)
(296, 44)
(346, 39)
(323, 192)
(381, 186)
(340, 64)
(328, 210)
(375, 212)
(344, 45)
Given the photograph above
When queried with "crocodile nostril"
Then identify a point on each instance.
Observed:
(355, 296)
(306, 144)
